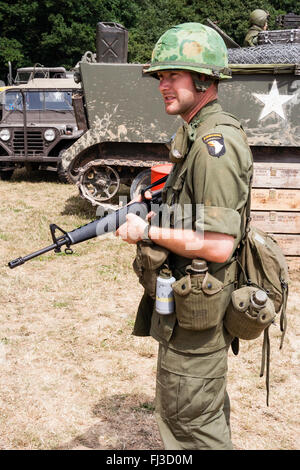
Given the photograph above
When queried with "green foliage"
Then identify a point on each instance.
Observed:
(155, 17)
(10, 50)
(232, 16)
(59, 33)
(55, 33)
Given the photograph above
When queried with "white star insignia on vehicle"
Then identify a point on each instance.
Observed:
(273, 102)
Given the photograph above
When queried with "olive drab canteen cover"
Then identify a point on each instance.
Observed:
(263, 266)
(250, 312)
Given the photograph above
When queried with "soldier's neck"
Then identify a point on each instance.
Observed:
(209, 95)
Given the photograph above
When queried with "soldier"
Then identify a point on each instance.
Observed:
(258, 22)
(212, 168)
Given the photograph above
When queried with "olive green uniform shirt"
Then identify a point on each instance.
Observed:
(214, 176)
(251, 37)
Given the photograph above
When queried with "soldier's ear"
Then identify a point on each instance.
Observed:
(201, 82)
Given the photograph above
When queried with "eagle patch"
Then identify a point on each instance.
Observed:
(215, 144)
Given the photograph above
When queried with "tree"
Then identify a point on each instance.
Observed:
(55, 33)
(232, 16)
(59, 33)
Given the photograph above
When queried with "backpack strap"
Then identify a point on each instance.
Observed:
(247, 220)
(265, 361)
(241, 262)
(266, 346)
(283, 319)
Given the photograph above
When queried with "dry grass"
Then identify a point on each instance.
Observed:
(72, 375)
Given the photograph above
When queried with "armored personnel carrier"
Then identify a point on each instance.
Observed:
(126, 131)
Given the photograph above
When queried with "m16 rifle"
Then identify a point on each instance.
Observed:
(98, 227)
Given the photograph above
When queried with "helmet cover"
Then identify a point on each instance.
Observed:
(193, 47)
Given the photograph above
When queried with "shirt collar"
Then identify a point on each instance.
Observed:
(211, 108)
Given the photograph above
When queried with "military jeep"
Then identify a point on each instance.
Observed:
(37, 124)
(25, 74)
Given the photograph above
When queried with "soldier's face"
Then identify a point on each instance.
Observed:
(178, 92)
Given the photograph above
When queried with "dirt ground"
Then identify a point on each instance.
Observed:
(72, 374)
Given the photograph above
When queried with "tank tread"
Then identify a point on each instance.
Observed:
(129, 162)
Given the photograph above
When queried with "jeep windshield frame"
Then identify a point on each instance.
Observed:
(34, 100)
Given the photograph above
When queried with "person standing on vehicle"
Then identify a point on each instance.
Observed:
(259, 22)
(212, 169)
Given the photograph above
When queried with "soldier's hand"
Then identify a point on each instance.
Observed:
(133, 229)
(138, 198)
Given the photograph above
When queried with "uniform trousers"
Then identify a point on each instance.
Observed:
(192, 406)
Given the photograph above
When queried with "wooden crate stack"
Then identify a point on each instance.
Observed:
(275, 205)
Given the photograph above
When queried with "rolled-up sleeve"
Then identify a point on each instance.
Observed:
(219, 219)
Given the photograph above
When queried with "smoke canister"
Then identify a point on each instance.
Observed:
(164, 302)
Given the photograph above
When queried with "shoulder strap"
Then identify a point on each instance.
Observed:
(215, 119)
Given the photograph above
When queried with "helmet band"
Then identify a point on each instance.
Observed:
(185, 65)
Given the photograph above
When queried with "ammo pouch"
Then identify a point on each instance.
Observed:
(241, 320)
(201, 301)
(149, 258)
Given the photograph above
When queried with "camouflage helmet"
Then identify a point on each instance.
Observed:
(259, 17)
(193, 47)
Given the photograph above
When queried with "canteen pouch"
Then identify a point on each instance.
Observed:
(243, 323)
(200, 302)
(149, 258)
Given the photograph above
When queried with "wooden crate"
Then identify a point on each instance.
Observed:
(275, 205)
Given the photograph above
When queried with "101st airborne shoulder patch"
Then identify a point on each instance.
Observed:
(215, 144)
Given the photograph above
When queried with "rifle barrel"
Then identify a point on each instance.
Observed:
(18, 261)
